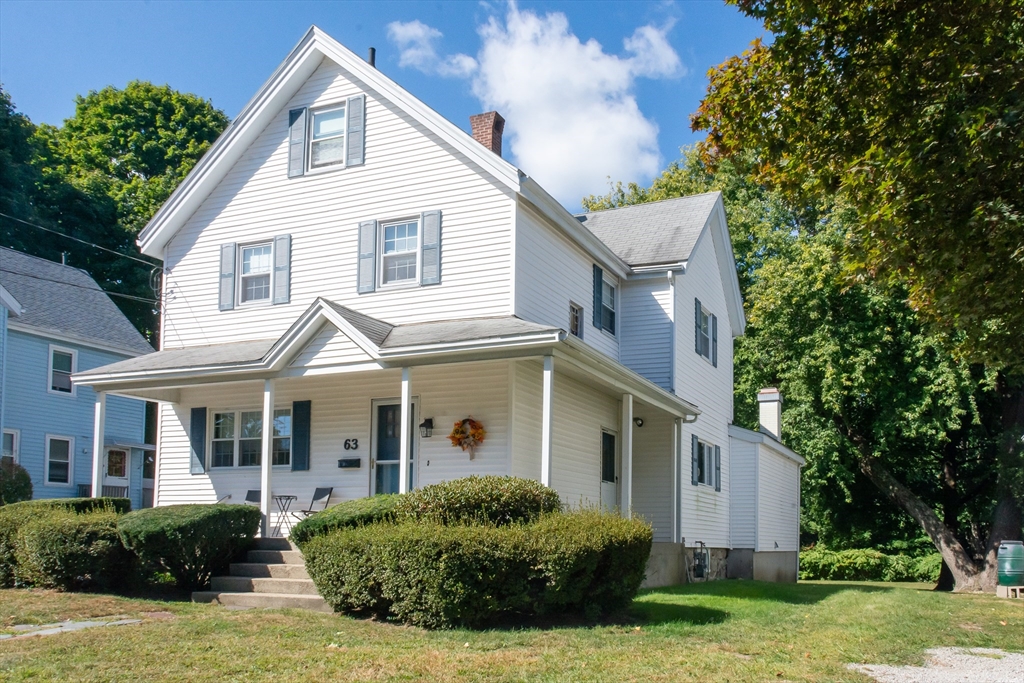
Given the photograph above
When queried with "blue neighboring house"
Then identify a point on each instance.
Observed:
(56, 321)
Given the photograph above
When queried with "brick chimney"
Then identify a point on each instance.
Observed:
(769, 403)
(487, 129)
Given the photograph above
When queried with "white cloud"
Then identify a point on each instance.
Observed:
(572, 120)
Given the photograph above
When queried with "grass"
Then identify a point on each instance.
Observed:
(729, 630)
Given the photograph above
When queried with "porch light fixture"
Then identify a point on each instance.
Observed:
(638, 421)
(427, 427)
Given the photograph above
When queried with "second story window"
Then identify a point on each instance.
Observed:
(327, 142)
(255, 273)
(576, 320)
(607, 307)
(705, 333)
(62, 366)
(400, 252)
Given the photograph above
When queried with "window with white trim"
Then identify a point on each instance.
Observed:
(705, 463)
(704, 333)
(255, 266)
(62, 366)
(10, 445)
(60, 452)
(400, 253)
(608, 307)
(327, 138)
(238, 438)
(575, 320)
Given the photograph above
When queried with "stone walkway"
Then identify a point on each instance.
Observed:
(953, 665)
(32, 630)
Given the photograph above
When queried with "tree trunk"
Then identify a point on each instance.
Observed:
(966, 574)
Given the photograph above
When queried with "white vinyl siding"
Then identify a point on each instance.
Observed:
(646, 333)
(330, 347)
(407, 171)
(778, 514)
(743, 493)
(652, 470)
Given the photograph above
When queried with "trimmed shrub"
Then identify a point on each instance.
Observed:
(436, 576)
(350, 513)
(191, 542)
(65, 550)
(867, 565)
(490, 499)
(15, 484)
(118, 506)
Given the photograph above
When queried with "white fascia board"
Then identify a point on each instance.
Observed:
(750, 436)
(282, 85)
(496, 343)
(306, 328)
(543, 202)
(727, 268)
(7, 300)
(657, 271)
(54, 335)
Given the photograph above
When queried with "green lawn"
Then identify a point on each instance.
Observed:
(736, 631)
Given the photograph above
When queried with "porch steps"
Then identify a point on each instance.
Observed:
(274, 576)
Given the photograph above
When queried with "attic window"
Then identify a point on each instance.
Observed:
(327, 142)
(255, 273)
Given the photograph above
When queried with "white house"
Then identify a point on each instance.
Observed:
(348, 266)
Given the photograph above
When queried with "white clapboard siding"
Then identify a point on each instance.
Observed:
(652, 470)
(778, 518)
(342, 410)
(408, 171)
(330, 346)
(550, 272)
(647, 329)
(527, 397)
(742, 493)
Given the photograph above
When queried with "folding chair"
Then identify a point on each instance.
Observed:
(321, 497)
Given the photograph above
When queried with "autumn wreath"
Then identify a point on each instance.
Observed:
(467, 435)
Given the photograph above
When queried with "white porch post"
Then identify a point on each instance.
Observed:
(547, 407)
(627, 454)
(406, 417)
(100, 420)
(677, 467)
(267, 455)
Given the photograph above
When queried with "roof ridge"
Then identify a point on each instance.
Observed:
(656, 201)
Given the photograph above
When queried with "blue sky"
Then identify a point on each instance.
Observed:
(605, 88)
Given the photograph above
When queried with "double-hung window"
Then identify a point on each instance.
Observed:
(327, 141)
(62, 366)
(59, 455)
(238, 438)
(607, 307)
(10, 445)
(576, 320)
(400, 252)
(255, 272)
(706, 333)
(705, 463)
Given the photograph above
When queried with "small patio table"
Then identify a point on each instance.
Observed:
(283, 503)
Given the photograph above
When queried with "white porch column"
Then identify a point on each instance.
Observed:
(677, 472)
(547, 408)
(267, 456)
(100, 420)
(406, 417)
(627, 454)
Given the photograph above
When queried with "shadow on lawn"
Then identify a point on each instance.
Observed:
(797, 594)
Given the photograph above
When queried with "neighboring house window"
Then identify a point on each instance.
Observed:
(327, 141)
(400, 252)
(117, 464)
(62, 366)
(10, 445)
(149, 465)
(59, 459)
(255, 273)
(238, 437)
(607, 307)
(576, 320)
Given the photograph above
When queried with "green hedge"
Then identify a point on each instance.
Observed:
(350, 513)
(490, 499)
(15, 484)
(867, 565)
(14, 516)
(423, 573)
(64, 550)
(191, 542)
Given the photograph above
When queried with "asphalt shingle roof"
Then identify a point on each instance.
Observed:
(64, 301)
(654, 233)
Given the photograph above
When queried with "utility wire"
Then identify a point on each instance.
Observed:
(91, 244)
(71, 284)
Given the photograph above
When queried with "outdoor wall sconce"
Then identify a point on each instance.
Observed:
(427, 427)
(638, 421)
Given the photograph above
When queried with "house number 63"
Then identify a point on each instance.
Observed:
(351, 444)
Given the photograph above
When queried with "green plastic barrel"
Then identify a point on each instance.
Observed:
(1011, 563)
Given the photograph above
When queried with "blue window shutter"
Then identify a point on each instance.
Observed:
(696, 326)
(296, 142)
(301, 413)
(695, 443)
(430, 272)
(197, 441)
(356, 130)
(718, 468)
(367, 275)
(598, 285)
(227, 276)
(714, 340)
(282, 269)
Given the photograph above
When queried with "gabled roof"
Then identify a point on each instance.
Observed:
(653, 233)
(750, 436)
(8, 301)
(282, 85)
(65, 303)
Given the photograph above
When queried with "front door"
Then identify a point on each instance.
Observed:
(609, 472)
(115, 476)
(387, 448)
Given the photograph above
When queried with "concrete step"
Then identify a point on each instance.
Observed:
(275, 557)
(272, 571)
(263, 600)
(274, 544)
(249, 584)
